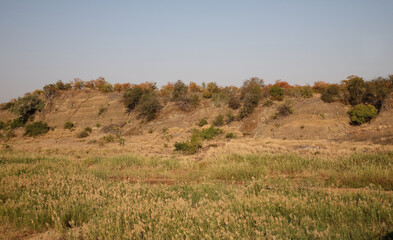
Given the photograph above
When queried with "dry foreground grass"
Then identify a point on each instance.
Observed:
(51, 195)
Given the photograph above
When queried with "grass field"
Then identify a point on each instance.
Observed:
(232, 197)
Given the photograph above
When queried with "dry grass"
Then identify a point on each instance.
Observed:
(232, 196)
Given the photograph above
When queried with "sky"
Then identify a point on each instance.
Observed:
(225, 41)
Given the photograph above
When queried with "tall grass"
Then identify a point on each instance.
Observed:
(235, 196)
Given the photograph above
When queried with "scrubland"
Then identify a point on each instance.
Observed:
(244, 196)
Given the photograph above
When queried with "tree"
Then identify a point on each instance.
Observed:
(362, 113)
(356, 88)
(27, 106)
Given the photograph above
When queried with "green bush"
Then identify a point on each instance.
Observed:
(17, 123)
(36, 128)
(331, 94)
(202, 122)
(149, 106)
(109, 138)
(356, 88)
(27, 106)
(207, 133)
(2, 125)
(68, 125)
(276, 93)
(361, 113)
(88, 129)
(306, 92)
(219, 120)
(179, 90)
(230, 135)
(132, 96)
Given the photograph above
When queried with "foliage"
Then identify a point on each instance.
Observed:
(149, 106)
(331, 93)
(101, 110)
(132, 96)
(361, 113)
(306, 92)
(210, 89)
(69, 125)
(202, 122)
(320, 86)
(250, 95)
(283, 110)
(179, 90)
(234, 102)
(3, 125)
(192, 145)
(17, 123)
(27, 106)
(36, 128)
(376, 91)
(50, 91)
(219, 120)
(356, 88)
(83, 134)
(88, 129)
(276, 93)
(230, 135)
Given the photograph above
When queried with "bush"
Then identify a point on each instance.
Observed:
(230, 135)
(361, 113)
(179, 90)
(108, 138)
(376, 92)
(356, 88)
(101, 110)
(27, 106)
(233, 102)
(283, 110)
(219, 120)
(36, 128)
(207, 133)
(187, 147)
(2, 125)
(68, 125)
(198, 136)
(149, 106)
(306, 92)
(9, 134)
(331, 94)
(202, 122)
(83, 134)
(88, 129)
(211, 88)
(132, 96)
(17, 123)
(276, 93)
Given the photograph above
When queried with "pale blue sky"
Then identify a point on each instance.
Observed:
(206, 40)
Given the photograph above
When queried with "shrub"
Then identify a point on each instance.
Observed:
(230, 135)
(230, 117)
(202, 122)
(132, 96)
(83, 134)
(283, 110)
(179, 90)
(88, 129)
(306, 92)
(276, 93)
(233, 102)
(356, 88)
(187, 147)
(50, 91)
(68, 125)
(195, 100)
(210, 89)
(36, 128)
(331, 94)
(219, 120)
(268, 103)
(27, 106)
(17, 123)
(108, 138)
(376, 92)
(6, 106)
(362, 113)
(9, 134)
(149, 106)
(2, 125)
(207, 133)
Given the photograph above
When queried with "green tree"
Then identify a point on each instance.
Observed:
(27, 106)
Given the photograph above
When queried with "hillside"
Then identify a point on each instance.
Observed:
(314, 126)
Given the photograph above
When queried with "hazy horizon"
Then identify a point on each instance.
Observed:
(223, 41)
